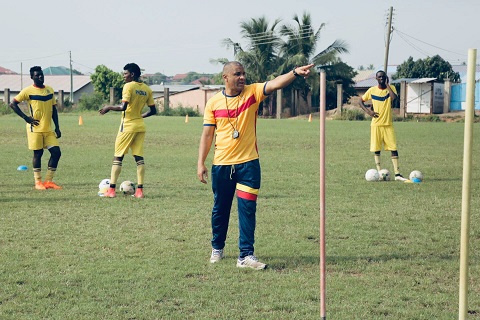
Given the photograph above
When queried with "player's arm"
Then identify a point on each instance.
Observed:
(205, 144)
(152, 111)
(368, 110)
(19, 112)
(393, 96)
(121, 107)
(285, 79)
(55, 121)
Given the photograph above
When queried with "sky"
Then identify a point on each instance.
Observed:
(180, 36)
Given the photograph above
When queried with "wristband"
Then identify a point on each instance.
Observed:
(295, 73)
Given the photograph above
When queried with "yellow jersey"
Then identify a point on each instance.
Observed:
(235, 113)
(40, 104)
(382, 104)
(137, 94)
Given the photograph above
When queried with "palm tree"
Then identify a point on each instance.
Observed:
(300, 47)
(301, 43)
(260, 59)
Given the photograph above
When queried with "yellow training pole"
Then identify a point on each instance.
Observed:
(466, 190)
(323, 89)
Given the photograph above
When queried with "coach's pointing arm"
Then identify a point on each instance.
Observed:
(285, 79)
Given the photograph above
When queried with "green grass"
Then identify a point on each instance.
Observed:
(392, 248)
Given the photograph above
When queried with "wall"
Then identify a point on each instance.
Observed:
(458, 96)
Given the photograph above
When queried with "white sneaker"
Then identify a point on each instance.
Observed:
(217, 255)
(399, 177)
(251, 262)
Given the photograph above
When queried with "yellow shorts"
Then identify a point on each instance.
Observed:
(129, 140)
(382, 135)
(41, 140)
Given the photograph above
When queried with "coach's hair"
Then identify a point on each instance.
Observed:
(133, 67)
(33, 69)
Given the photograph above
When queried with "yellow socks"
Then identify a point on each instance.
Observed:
(116, 169)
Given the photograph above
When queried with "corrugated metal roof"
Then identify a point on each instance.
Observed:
(370, 81)
(424, 80)
(363, 74)
(6, 71)
(367, 83)
(13, 82)
(407, 80)
(173, 88)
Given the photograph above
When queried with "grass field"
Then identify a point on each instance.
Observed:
(392, 248)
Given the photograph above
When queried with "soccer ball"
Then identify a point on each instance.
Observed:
(384, 175)
(127, 187)
(371, 175)
(103, 187)
(416, 175)
(105, 183)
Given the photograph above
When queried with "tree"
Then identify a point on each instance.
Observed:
(339, 72)
(192, 76)
(104, 78)
(156, 78)
(430, 67)
(260, 60)
(275, 49)
(300, 48)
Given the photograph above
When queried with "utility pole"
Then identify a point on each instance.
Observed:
(71, 78)
(387, 44)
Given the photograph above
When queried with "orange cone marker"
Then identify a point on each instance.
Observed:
(186, 118)
(310, 118)
(80, 121)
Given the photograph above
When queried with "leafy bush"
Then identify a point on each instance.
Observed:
(352, 114)
(92, 101)
(4, 108)
(429, 118)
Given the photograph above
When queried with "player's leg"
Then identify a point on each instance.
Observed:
(37, 169)
(376, 157)
(122, 144)
(35, 143)
(223, 187)
(248, 185)
(137, 150)
(391, 145)
(51, 143)
(55, 155)
(140, 176)
(376, 144)
(114, 174)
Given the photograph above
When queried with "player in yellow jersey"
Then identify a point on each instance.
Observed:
(381, 128)
(42, 106)
(231, 117)
(135, 96)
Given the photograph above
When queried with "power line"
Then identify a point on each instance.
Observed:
(38, 58)
(75, 62)
(285, 33)
(413, 46)
(266, 33)
(403, 33)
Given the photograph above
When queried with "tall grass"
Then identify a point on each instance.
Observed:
(392, 248)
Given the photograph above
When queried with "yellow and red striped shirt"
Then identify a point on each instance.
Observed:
(229, 113)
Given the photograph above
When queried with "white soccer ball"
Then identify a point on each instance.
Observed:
(371, 175)
(384, 175)
(103, 187)
(416, 174)
(105, 183)
(127, 187)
